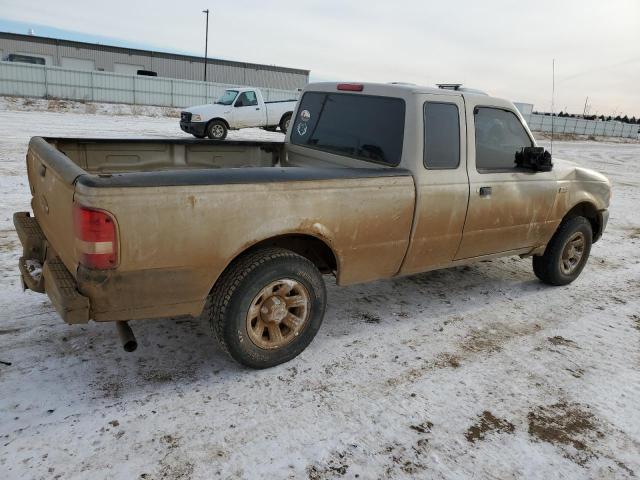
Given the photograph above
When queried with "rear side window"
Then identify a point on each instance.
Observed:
(441, 135)
(359, 126)
(499, 135)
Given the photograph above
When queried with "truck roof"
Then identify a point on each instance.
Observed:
(400, 89)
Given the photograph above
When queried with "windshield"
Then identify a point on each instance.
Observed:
(227, 97)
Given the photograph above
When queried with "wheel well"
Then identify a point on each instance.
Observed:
(284, 116)
(590, 212)
(310, 247)
(221, 119)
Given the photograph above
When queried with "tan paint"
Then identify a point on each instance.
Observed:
(175, 241)
(513, 216)
(51, 205)
(441, 202)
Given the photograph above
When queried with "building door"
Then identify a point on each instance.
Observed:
(77, 63)
(126, 68)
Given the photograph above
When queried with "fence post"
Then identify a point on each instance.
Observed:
(92, 87)
(173, 103)
(46, 83)
(134, 89)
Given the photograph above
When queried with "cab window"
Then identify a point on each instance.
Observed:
(499, 135)
(441, 136)
(247, 99)
(365, 127)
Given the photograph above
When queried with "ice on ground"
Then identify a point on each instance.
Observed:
(472, 372)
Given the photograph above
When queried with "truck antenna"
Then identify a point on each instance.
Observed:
(553, 94)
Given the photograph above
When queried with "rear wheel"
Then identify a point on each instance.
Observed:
(267, 307)
(284, 122)
(566, 254)
(217, 130)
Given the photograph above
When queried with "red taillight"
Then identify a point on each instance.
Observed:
(351, 87)
(96, 242)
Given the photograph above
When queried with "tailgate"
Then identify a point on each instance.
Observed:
(52, 178)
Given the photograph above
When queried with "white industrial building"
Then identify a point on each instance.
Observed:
(105, 58)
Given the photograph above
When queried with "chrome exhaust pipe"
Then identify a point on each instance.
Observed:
(128, 339)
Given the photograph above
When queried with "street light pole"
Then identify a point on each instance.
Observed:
(206, 43)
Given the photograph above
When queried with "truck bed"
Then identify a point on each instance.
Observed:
(185, 208)
(100, 156)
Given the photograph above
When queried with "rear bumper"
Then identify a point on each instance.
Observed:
(194, 128)
(42, 271)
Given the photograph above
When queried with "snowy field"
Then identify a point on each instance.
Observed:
(476, 372)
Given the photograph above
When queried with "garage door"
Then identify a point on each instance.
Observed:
(127, 68)
(77, 63)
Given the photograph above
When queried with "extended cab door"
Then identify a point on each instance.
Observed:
(508, 206)
(247, 111)
(442, 186)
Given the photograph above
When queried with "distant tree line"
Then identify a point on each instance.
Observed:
(618, 118)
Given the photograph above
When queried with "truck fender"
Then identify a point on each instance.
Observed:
(221, 119)
(314, 247)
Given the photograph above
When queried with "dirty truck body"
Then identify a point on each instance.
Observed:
(374, 181)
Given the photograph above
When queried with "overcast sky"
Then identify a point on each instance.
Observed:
(505, 47)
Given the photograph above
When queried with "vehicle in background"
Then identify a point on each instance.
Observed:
(374, 182)
(19, 58)
(237, 108)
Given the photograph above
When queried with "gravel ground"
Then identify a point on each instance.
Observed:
(478, 371)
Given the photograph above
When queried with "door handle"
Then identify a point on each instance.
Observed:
(258, 108)
(485, 191)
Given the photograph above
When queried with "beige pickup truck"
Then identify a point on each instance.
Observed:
(374, 181)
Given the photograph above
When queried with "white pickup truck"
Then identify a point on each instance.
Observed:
(236, 108)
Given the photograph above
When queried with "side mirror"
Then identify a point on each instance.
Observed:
(534, 158)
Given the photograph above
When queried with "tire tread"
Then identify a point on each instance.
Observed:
(229, 282)
(544, 265)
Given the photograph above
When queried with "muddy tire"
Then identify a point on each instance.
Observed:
(566, 254)
(217, 130)
(284, 122)
(267, 306)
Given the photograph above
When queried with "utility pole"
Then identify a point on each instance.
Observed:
(206, 43)
(584, 112)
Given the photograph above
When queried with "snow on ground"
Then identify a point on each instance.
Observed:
(57, 105)
(478, 371)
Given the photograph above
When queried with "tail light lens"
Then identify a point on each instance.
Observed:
(351, 87)
(96, 241)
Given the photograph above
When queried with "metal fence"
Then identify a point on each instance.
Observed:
(25, 80)
(580, 126)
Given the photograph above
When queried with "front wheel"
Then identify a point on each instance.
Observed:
(267, 307)
(217, 130)
(566, 254)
